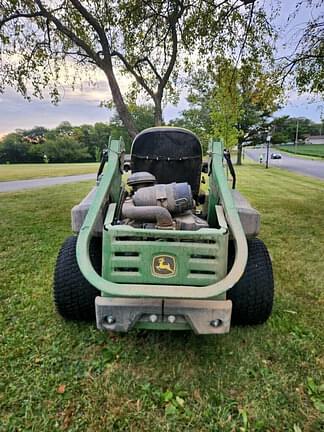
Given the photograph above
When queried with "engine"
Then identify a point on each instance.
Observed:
(159, 206)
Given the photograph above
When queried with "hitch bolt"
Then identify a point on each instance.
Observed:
(171, 319)
(216, 323)
(110, 319)
(153, 318)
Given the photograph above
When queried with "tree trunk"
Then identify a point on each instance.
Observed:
(157, 112)
(118, 99)
(239, 153)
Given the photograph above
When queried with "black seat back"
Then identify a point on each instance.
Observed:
(170, 154)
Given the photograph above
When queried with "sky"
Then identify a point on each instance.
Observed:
(83, 105)
(77, 107)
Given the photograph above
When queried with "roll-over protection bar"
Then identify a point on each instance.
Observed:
(110, 186)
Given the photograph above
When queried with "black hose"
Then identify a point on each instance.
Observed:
(227, 156)
(104, 159)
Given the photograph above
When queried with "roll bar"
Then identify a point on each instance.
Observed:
(108, 187)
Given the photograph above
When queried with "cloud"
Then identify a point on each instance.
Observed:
(294, 98)
(16, 112)
(78, 105)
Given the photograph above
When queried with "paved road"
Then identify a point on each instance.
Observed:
(309, 167)
(13, 186)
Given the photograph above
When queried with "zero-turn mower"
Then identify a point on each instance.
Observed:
(156, 251)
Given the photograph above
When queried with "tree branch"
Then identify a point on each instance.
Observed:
(172, 61)
(148, 61)
(19, 15)
(139, 78)
(67, 32)
(94, 23)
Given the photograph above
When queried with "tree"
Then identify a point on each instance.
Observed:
(284, 129)
(62, 144)
(226, 104)
(143, 116)
(151, 41)
(261, 96)
(67, 143)
(233, 103)
(66, 149)
(13, 149)
(197, 119)
(305, 64)
(100, 137)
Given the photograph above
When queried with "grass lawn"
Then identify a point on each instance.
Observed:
(57, 375)
(316, 150)
(30, 171)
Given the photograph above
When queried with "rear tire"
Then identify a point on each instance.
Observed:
(74, 296)
(252, 296)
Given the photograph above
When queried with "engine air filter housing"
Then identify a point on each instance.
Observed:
(141, 179)
(176, 197)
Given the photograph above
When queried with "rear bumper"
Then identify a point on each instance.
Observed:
(121, 314)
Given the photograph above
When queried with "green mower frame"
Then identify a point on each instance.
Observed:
(214, 269)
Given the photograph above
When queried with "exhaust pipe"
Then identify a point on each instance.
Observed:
(148, 214)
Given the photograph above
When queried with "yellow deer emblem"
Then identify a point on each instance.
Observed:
(164, 266)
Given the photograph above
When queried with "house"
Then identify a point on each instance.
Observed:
(314, 139)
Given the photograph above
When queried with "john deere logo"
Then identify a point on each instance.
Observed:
(164, 266)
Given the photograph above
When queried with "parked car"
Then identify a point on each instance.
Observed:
(275, 156)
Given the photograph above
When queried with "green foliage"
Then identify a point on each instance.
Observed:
(14, 149)
(226, 104)
(232, 103)
(143, 116)
(284, 129)
(66, 143)
(316, 393)
(62, 144)
(261, 96)
(304, 66)
(150, 42)
(66, 149)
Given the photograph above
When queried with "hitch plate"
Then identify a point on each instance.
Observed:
(121, 314)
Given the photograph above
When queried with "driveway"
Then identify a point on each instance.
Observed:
(309, 167)
(13, 186)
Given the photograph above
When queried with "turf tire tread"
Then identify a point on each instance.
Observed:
(252, 296)
(74, 296)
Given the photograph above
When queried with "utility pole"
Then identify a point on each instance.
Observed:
(296, 136)
(268, 146)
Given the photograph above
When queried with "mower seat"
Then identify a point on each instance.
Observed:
(171, 154)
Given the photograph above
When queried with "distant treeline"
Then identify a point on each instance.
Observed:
(284, 129)
(62, 144)
(85, 143)
(67, 143)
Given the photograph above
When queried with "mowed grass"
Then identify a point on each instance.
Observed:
(316, 150)
(64, 376)
(31, 171)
